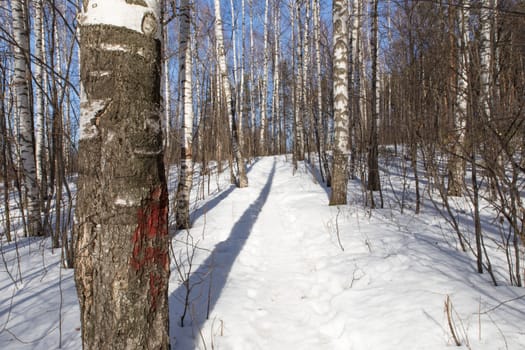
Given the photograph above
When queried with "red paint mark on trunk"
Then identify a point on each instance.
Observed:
(150, 249)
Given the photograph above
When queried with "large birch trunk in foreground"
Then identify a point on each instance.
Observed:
(21, 79)
(341, 117)
(121, 260)
(242, 179)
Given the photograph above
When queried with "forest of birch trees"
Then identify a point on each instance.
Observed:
(343, 85)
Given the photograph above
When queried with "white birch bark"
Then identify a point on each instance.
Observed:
(276, 111)
(360, 67)
(242, 104)
(320, 114)
(457, 163)
(298, 83)
(266, 60)
(485, 57)
(294, 84)
(166, 95)
(21, 79)
(239, 78)
(242, 180)
(307, 115)
(252, 81)
(182, 215)
(39, 97)
(341, 117)
(234, 43)
(141, 18)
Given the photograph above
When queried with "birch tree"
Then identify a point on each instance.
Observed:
(166, 91)
(485, 56)
(320, 111)
(265, 77)
(242, 179)
(5, 146)
(21, 79)
(373, 166)
(182, 214)
(297, 85)
(340, 87)
(252, 82)
(39, 99)
(456, 165)
(306, 115)
(121, 260)
(276, 110)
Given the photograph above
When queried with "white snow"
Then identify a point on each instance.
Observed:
(281, 280)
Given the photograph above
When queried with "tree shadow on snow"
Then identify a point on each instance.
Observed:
(209, 205)
(208, 281)
(315, 172)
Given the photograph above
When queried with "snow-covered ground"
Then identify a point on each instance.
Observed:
(272, 266)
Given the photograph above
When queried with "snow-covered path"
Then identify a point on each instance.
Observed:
(278, 271)
(272, 298)
(270, 273)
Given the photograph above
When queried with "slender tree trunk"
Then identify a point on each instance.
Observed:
(264, 102)
(295, 110)
(340, 56)
(182, 213)
(457, 160)
(276, 111)
(242, 97)
(297, 46)
(39, 100)
(374, 183)
(485, 57)
(122, 262)
(5, 152)
(354, 86)
(242, 180)
(166, 96)
(319, 127)
(305, 80)
(21, 82)
(253, 85)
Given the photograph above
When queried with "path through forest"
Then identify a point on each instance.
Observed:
(273, 290)
(270, 272)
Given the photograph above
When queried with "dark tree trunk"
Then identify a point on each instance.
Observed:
(374, 183)
(122, 261)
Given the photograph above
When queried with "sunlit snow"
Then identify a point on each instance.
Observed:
(274, 267)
